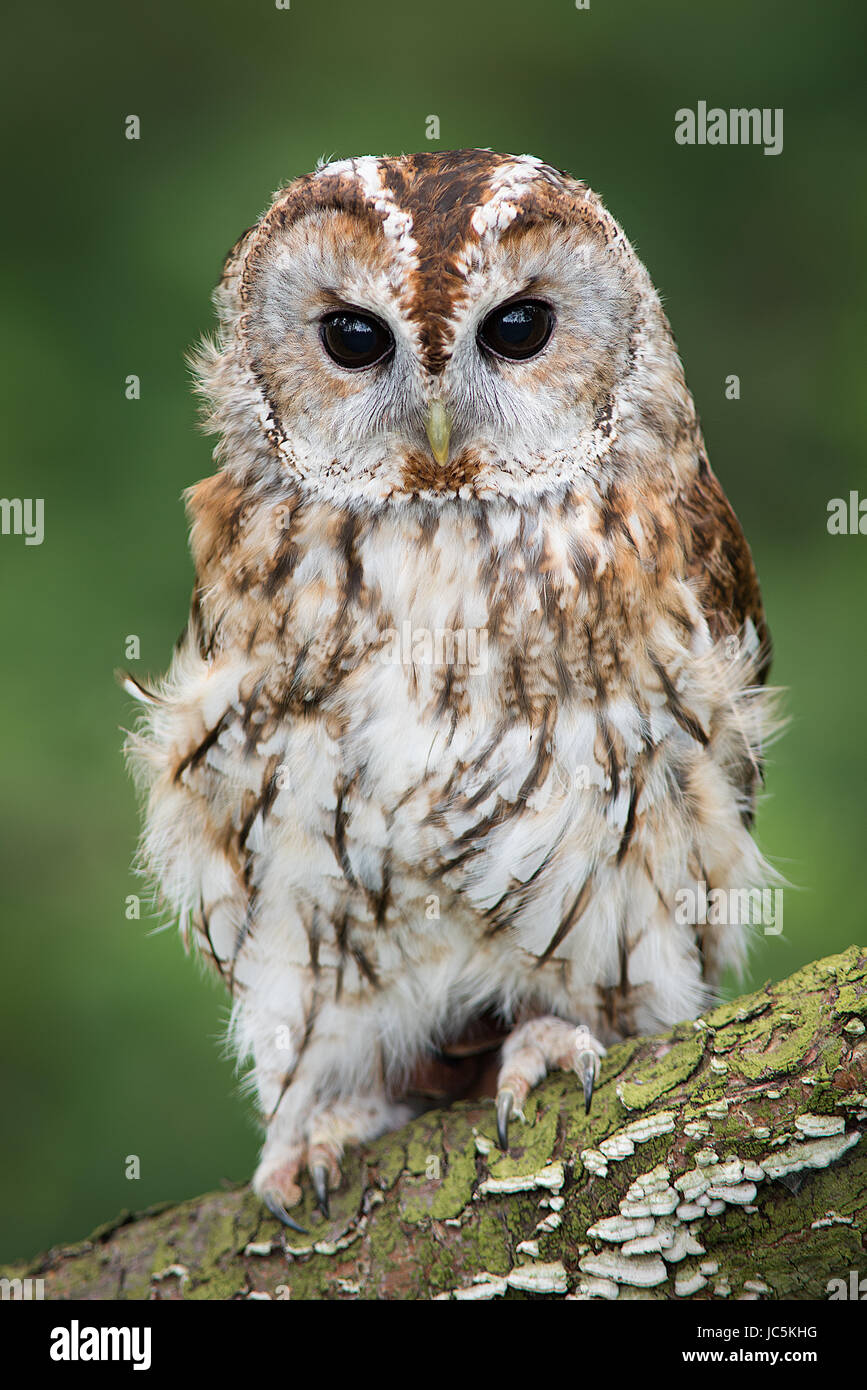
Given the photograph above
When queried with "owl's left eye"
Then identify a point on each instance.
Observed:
(518, 330)
(354, 339)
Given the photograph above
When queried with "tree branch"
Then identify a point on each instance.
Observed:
(720, 1159)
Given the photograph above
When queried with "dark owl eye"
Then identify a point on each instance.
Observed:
(354, 339)
(518, 330)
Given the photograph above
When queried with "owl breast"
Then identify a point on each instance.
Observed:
(440, 758)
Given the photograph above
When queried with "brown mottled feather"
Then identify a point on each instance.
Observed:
(720, 563)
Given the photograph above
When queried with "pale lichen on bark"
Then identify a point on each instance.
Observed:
(720, 1160)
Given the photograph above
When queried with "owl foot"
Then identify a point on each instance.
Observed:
(277, 1179)
(534, 1049)
(276, 1182)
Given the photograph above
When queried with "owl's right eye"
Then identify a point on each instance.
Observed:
(354, 339)
(517, 330)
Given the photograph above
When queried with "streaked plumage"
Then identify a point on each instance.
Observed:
(385, 856)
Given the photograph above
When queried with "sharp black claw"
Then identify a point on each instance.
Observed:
(587, 1062)
(505, 1105)
(277, 1209)
(319, 1174)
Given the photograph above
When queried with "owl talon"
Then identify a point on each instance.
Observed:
(586, 1066)
(276, 1208)
(587, 1052)
(505, 1106)
(319, 1175)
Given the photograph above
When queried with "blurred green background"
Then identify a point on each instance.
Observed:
(110, 1038)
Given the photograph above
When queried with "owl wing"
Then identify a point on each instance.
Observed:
(720, 565)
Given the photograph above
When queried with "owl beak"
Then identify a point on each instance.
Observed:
(438, 425)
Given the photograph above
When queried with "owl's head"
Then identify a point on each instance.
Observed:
(436, 325)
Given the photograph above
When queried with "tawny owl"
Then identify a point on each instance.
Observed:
(472, 686)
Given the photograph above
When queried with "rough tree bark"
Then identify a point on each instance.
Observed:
(720, 1160)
